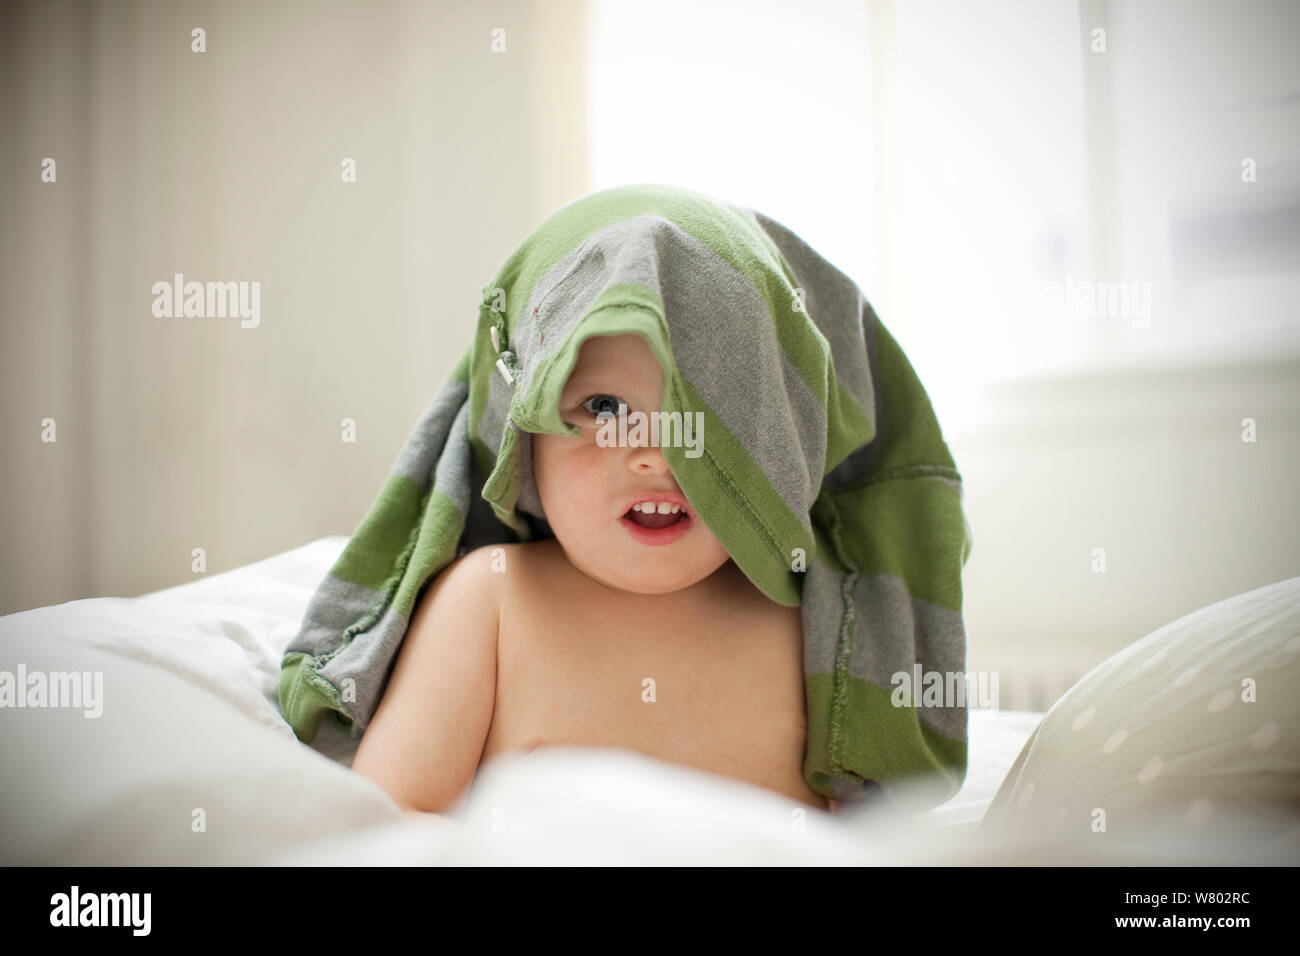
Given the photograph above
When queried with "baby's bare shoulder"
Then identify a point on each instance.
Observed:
(531, 573)
(537, 555)
(465, 572)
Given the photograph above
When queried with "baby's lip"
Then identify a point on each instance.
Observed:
(672, 497)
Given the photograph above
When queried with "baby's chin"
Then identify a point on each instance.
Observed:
(649, 575)
(649, 587)
(650, 582)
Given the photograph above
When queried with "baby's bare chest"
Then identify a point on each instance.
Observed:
(722, 691)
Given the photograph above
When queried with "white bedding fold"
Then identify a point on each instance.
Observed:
(191, 763)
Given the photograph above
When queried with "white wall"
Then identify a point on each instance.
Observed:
(1149, 466)
(180, 433)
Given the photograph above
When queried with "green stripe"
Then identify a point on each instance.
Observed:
(911, 435)
(305, 696)
(876, 739)
(503, 485)
(382, 535)
(909, 527)
(439, 535)
(848, 428)
(849, 424)
(482, 363)
(748, 515)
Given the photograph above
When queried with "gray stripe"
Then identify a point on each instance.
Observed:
(333, 606)
(441, 438)
(823, 610)
(492, 423)
(530, 501)
(559, 299)
(427, 438)
(366, 660)
(830, 295)
(895, 630)
(452, 477)
(892, 631)
(859, 462)
(731, 362)
(733, 365)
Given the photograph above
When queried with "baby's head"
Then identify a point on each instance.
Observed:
(587, 488)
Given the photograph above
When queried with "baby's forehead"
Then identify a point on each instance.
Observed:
(614, 355)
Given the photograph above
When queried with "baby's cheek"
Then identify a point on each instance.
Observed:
(571, 475)
(589, 480)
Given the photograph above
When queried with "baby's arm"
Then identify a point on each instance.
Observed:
(424, 742)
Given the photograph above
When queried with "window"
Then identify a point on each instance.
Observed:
(1015, 199)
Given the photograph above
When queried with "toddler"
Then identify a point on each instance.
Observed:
(737, 589)
(632, 627)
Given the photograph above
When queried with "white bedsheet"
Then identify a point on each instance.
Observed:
(191, 763)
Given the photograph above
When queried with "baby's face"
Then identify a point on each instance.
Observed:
(588, 489)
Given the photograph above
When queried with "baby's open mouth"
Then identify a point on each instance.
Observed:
(649, 515)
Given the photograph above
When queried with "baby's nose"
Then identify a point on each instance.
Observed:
(647, 460)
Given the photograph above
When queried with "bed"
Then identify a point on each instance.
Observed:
(189, 762)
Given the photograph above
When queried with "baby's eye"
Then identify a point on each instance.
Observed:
(603, 404)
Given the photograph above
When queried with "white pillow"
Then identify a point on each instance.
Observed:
(1196, 726)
